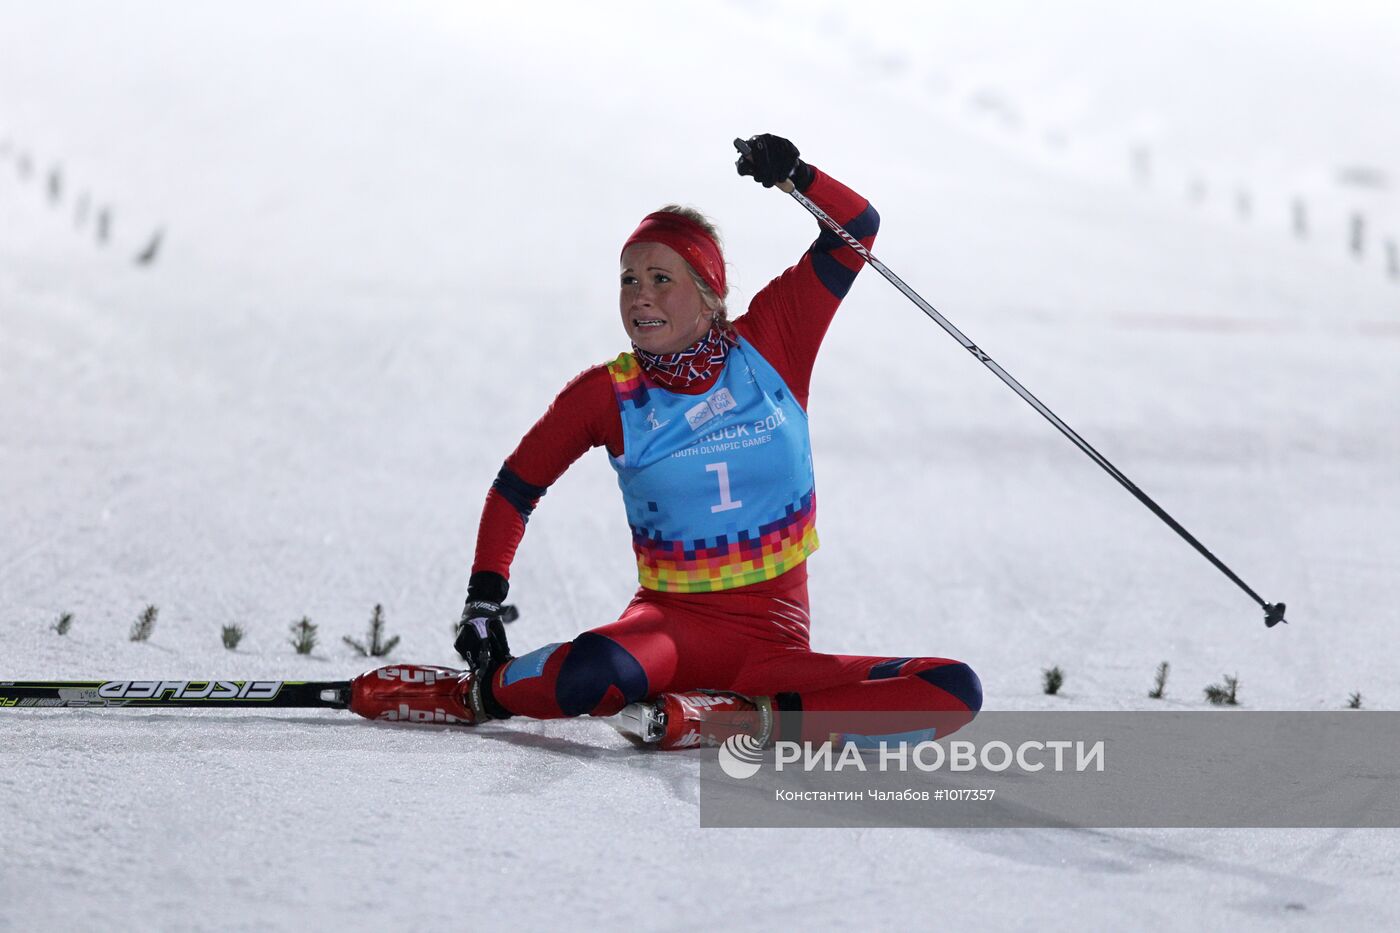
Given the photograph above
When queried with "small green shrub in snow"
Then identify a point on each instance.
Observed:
(144, 625)
(1159, 682)
(375, 646)
(1224, 694)
(304, 635)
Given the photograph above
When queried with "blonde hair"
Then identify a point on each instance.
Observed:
(712, 301)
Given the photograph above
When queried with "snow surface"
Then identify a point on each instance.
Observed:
(389, 239)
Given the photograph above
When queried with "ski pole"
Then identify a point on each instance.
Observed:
(1273, 612)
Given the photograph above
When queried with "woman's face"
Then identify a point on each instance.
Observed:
(662, 309)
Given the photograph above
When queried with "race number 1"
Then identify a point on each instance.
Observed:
(725, 502)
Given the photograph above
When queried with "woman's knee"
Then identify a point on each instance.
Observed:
(956, 679)
(598, 676)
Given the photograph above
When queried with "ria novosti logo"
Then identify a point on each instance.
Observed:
(741, 756)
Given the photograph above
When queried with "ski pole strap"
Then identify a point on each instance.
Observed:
(1273, 612)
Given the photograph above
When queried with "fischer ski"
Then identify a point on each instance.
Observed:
(420, 693)
(30, 694)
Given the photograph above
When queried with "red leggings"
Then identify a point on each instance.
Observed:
(752, 641)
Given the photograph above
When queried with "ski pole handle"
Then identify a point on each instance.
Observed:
(786, 185)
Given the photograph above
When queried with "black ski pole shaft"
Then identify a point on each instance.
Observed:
(1273, 612)
(211, 694)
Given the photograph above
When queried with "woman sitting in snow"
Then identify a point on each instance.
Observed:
(705, 421)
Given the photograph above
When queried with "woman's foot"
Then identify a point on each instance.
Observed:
(698, 718)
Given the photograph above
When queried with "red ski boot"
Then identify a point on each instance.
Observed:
(416, 693)
(701, 717)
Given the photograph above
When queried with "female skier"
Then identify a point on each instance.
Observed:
(705, 422)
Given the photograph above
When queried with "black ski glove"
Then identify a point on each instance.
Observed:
(771, 159)
(481, 641)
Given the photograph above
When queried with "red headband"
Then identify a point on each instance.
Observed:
(687, 238)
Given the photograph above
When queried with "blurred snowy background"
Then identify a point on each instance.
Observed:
(381, 237)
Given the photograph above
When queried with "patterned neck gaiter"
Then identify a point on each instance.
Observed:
(696, 364)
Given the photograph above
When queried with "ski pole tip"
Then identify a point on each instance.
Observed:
(1273, 614)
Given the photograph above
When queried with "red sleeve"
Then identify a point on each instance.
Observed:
(583, 416)
(787, 320)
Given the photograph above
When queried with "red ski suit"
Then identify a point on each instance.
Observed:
(751, 639)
